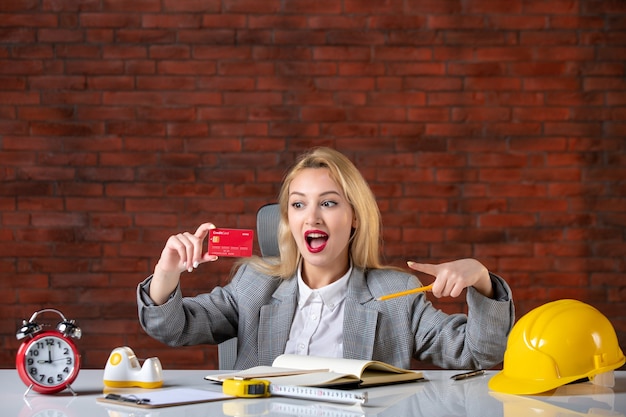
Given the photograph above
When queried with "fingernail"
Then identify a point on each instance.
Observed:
(195, 264)
(190, 269)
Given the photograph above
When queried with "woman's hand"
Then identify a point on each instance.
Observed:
(182, 252)
(452, 277)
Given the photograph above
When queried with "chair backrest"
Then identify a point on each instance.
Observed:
(267, 219)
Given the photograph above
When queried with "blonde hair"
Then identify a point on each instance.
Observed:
(365, 240)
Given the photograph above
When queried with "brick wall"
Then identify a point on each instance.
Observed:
(488, 129)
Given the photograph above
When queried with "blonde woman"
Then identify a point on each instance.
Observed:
(320, 296)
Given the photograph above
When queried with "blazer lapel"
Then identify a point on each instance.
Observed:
(275, 322)
(359, 322)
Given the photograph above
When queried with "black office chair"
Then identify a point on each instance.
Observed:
(267, 220)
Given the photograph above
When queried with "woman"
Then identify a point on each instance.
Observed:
(320, 296)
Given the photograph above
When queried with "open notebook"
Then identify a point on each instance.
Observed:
(315, 371)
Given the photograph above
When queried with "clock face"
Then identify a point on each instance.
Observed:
(48, 361)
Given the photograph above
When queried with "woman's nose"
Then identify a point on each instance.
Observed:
(313, 215)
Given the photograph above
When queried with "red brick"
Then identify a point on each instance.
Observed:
(455, 22)
(452, 129)
(43, 113)
(481, 114)
(492, 83)
(551, 83)
(479, 68)
(120, 83)
(20, 5)
(99, 35)
(516, 22)
(149, 36)
(428, 114)
(561, 53)
(27, 20)
(597, 6)
(288, 22)
(534, 114)
(190, 6)
(514, 129)
(18, 35)
(95, 67)
(169, 51)
(476, 37)
(537, 68)
(136, 128)
(426, 68)
(579, 22)
(434, 6)
(544, 37)
(109, 20)
(21, 67)
(396, 22)
(509, 53)
(573, 129)
(66, 129)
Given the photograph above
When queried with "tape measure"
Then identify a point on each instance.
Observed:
(246, 388)
(255, 388)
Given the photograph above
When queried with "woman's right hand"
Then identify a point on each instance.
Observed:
(182, 252)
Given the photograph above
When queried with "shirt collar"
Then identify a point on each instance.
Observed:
(331, 295)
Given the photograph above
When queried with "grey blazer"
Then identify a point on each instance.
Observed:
(259, 310)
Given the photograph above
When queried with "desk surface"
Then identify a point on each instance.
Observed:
(438, 395)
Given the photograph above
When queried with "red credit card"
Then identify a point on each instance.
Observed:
(231, 242)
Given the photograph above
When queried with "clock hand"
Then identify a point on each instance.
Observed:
(49, 358)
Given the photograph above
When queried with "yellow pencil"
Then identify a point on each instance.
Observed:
(407, 292)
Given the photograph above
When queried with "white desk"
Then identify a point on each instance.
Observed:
(437, 396)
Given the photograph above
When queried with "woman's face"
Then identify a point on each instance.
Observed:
(321, 220)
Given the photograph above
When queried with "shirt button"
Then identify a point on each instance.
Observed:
(313, 316)
(301, 346)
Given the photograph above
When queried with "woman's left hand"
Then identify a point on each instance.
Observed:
(452, 277)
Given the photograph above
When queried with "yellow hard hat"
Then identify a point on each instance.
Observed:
(555, 344)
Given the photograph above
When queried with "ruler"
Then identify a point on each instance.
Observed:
(255, 388)
(319, 394)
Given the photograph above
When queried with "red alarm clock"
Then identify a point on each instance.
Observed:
(48, 361)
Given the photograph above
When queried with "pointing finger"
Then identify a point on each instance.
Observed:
(429, 269)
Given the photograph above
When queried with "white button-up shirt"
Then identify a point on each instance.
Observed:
(317, 327)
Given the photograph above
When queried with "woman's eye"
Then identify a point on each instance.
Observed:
(296, 205)
(329, 203)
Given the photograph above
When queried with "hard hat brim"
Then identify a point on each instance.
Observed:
(503, 383)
